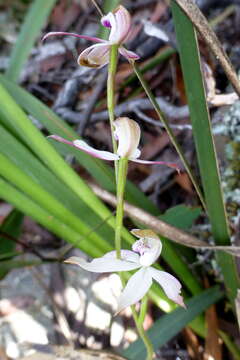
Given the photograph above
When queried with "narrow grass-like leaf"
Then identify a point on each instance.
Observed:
(99, 170)
(15, 119)
(171, 324)
(187, 41)
(27, 162)
(34, 21)
(17, 177)
(232, 347)
(43, 217)
(11, 226)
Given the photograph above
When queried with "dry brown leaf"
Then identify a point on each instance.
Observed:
(184, 181)
(192, 343)
(213, 347)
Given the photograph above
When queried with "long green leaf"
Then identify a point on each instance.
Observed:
(30, 208)
(34, 168)
(11, 226)
(34, 21)
(17, 177)
(171, 324)
(13, 117)
(99, 170)
(191, 66)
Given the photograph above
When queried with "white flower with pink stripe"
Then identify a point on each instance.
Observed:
(97, 55)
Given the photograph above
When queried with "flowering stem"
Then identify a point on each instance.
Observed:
(143, 309)
(142, 334)
(169, 131)
(112, 68)
(121, 182)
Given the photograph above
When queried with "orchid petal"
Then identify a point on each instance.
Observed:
(103, 264)
(128, 133)
(170, 285)
(137, 286)
(146, 162)
(125, 255)
(121, 26)
(61, 33)
(82, 145)
(104, 155)
(129, 55)
(95, 56)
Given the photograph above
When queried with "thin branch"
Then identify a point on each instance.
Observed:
(161, 227)
(202, 25)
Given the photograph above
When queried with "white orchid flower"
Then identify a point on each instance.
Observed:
(97, 55)
(127, 133)
(145, 252)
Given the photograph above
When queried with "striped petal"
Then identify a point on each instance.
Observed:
(146, 162)
(103, 264)
(170, 285)
(82, 145)
(137, 286)
(129, 55)
(95, 56)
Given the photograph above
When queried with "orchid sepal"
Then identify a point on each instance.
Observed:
(85, 37)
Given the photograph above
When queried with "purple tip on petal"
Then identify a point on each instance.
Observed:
(106, 23)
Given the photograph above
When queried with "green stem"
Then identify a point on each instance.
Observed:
(112, 68)
(121, 182)
(169, 131)
(143, 309)
(143, 335)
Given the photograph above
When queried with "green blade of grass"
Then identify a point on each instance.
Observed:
(190, 60)
(11, 226)
(33, 23)
(171, 324)
(15, 119)
(43, 217)
(27, 162)
(17, 177)
(99, 170)
(232, 347)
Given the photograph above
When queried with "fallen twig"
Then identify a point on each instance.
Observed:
(161, 227)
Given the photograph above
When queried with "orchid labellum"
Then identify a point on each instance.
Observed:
(127, 133)
(97, 55)
(145, 252)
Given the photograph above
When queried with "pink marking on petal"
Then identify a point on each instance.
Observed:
(146, 162)
(60, 33)
(83, 146)
(129, 55)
